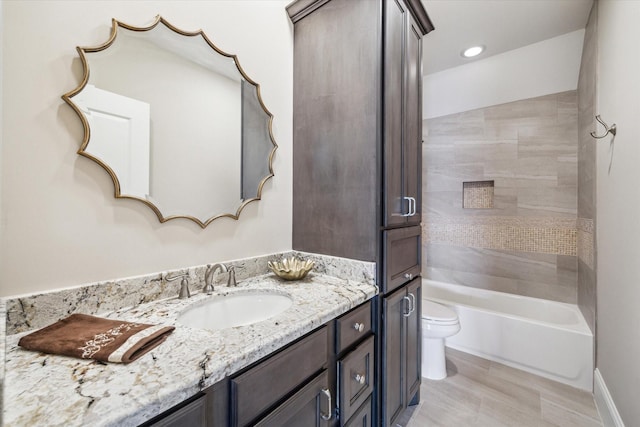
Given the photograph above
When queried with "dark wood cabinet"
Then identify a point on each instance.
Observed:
(402, 119)
(262, 386)
(310, 407)
(413, 360)
(362, 418)
(355, 362)
(191, 413)
(402, 249)
(357, 123)
(401, 350)
(355, 379)
(324, 379)
(353, 327)
(357, 159)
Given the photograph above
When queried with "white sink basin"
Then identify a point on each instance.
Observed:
(221, 312)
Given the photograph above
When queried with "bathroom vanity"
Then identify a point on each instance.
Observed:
(314, 360)
(324, 378)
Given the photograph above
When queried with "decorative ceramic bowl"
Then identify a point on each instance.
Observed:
(291, 268)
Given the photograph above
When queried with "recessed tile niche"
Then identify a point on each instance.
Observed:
(477, 195)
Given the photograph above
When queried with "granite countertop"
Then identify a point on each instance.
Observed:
(43, 389)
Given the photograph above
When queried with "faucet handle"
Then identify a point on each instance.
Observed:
(184, 284)
(184, 289)
(232, 277)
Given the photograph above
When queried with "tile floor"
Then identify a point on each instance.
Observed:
(479, 392)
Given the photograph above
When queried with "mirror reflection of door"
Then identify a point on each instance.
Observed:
(120, 136)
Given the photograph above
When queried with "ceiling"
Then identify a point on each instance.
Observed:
(499, 25)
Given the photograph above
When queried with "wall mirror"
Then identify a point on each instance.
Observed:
(175, 121)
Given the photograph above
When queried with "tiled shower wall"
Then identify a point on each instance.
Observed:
(586, 173)
(523, 241)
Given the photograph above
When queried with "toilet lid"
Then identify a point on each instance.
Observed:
(438, 312)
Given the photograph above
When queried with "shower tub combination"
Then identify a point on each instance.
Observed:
(546, 338)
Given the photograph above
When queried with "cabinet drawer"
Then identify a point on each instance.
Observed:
(308, 407)
(353, 326)
(262, 386)
(355, 378)
(402, 254)
(362, 417)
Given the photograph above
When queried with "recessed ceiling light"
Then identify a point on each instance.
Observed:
(472, 51)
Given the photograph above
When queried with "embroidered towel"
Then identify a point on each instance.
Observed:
(90, 337)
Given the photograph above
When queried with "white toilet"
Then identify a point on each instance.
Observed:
(438, 323)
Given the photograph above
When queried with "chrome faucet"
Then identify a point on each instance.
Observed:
(208, 276)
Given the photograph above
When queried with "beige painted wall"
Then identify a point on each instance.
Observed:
(618, 207)
(60, 225)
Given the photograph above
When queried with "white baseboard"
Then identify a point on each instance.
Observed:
(604, 402)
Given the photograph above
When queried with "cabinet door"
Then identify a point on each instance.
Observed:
(190, 415)
(402, 255)
(310, 407)
(402, 117)
(401, 341)
(393, 395)
(395, 206)
(414, 338)
(362, 418)
(412, 148)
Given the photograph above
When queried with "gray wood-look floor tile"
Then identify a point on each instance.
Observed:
(482, 393)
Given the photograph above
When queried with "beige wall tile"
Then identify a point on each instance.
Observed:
(529, 149)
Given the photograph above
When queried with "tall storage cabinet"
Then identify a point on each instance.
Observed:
(357, 164)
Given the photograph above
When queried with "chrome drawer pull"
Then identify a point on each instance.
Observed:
(360, 379)
(408, 276)
(329, 413)
(358, 326)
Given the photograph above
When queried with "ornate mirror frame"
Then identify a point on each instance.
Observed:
(67, 97)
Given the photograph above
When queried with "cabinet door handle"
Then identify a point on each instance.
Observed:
(412, 206)
(329, 413)
(412, 298)
(408, 305)
(358, 326)
(408, 199)
(360, 379)
(408, 276)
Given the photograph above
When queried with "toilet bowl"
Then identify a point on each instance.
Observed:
(438, 323)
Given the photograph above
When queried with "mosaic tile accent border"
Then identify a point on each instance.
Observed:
(585, 243)
(477, 195)
(585, 224)
(513, 221)
(523, 234)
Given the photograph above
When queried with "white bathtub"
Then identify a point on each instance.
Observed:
(546, 338)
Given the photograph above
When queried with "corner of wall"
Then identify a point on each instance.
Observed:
(2, 309)
(1, 130)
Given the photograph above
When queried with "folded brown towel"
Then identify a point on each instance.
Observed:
(90, 337)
